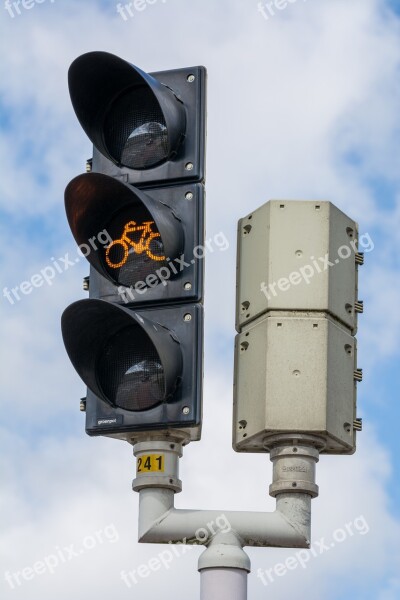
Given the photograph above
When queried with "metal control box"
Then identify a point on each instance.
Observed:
(296, 316)
(295, 373)
(297, 255)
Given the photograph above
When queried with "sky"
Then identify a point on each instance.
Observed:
(302, 104)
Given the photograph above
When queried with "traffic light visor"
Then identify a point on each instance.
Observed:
(131, 117)
(129, 361)
(142, 232)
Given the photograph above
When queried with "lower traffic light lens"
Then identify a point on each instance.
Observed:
(130, 371)
(135, 130)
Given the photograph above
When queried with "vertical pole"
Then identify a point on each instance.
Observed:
(223, 584)
(223, 567)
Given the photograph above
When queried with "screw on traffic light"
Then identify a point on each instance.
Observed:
(137, 342)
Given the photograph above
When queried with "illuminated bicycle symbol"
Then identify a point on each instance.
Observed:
(143, 245)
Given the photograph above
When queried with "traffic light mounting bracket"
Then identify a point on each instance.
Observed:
(287, 527)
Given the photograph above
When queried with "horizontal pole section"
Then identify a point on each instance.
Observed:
(160, 522)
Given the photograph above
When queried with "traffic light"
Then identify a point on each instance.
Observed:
(137, 342)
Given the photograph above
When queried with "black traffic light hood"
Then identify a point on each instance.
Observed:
(92, 199)
(88, 324)
(97, 79)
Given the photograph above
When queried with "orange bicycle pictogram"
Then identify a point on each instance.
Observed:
(143, 245)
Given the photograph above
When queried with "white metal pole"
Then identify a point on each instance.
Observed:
(224, 566)
(223, 584)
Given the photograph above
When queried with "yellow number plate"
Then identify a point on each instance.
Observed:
(150, 462)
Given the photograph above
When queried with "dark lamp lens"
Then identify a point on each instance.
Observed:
(130, 372)
(135, 131)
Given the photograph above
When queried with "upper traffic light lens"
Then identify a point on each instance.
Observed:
(135, 130)
(130, 371)
(132, 118)
(137, 249)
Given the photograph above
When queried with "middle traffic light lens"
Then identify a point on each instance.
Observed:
(130, 371)
(136, 250)
(135, 130)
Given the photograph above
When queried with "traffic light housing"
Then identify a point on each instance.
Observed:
(142, 368)
(138, 264)
(148, 129)
(137, 342)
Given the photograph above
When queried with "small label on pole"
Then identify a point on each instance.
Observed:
(148, 463)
